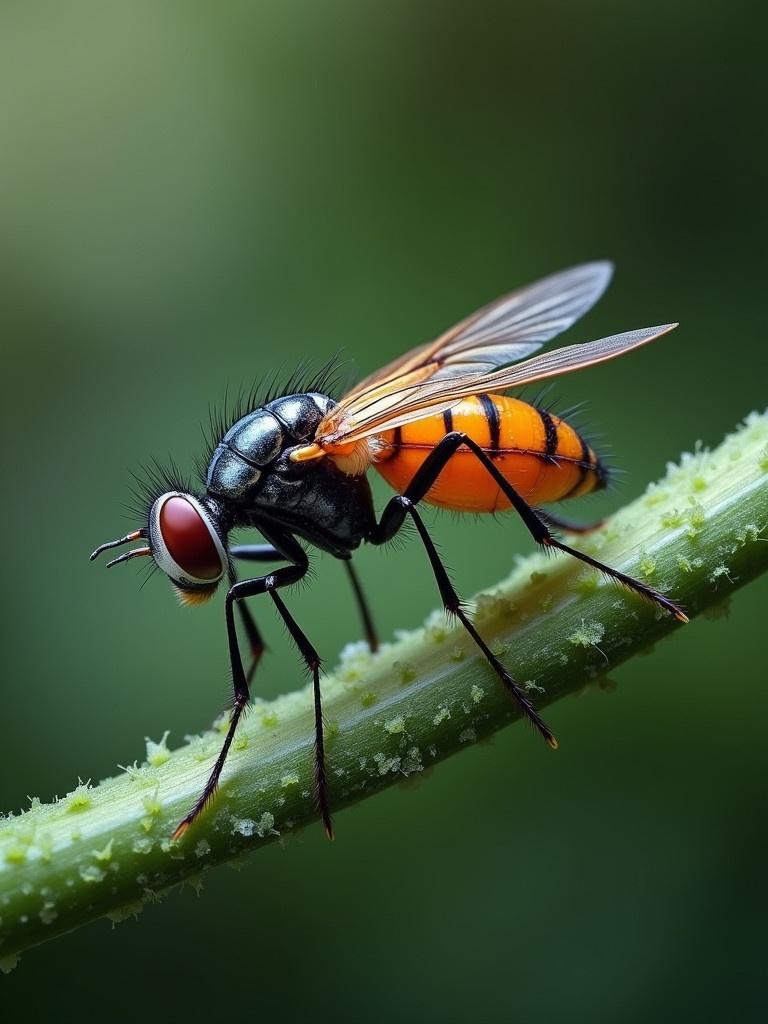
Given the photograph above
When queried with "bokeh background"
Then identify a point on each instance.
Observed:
(194, 195)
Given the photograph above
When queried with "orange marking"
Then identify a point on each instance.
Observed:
(306, 453)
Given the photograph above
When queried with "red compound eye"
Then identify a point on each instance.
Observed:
(188, 539)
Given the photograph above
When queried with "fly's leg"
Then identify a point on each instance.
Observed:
(252, 553)
(255, 552)
(404, 504)
(268, 553)
(362, 605)
(312, 660)
(237, 592)
(255, 642)
(566, 525)
(540, 533)
(393, 518)
(429, 471)
(284, 576)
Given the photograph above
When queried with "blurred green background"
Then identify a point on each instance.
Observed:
(193, 195)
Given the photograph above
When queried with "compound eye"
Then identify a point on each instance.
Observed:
(189, 542)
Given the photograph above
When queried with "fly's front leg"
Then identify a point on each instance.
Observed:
(252, 553)
(281, 577)
(284, 576)
(256, 552)
(269, 553)
(289, 548)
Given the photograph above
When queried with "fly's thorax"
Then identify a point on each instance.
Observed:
(253, 450)
(252, 474)
(317, 501)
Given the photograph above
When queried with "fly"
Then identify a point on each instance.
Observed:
(438, 426)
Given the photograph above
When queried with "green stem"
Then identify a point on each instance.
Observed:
(697, 535)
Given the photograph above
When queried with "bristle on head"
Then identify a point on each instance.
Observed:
(190, 597)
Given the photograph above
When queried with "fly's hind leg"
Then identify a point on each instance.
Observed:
(392, 519)
(567, 525)
(541, 534)
(403, 505)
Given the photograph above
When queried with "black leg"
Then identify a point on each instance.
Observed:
(256, 644)
(241, 698)
(452, 604)
(312, 660)
(252, 553)
(541, 535)
(430, 469)
(365, 613)
(567, 525)
(401, 505)
(236, 593)
(268, 553)
(284, 576)
(256, 552)
(392, 519)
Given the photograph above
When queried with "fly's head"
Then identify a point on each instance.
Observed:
(185, 537)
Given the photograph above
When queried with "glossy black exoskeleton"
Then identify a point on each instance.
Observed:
(253, 478)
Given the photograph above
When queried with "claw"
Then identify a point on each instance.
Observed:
(180, 829)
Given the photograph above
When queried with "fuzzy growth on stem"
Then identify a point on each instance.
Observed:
(105, 850)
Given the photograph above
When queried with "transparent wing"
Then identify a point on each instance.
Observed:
(413, 399)
(518, 325)
(511, 328)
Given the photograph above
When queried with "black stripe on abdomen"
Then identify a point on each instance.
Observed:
(550, 434)
(448, 420)
(585, 465)
(494, 422)
(586, 455)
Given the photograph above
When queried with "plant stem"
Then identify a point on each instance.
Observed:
(697, 535)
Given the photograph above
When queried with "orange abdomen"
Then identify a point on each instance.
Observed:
(538, 453)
